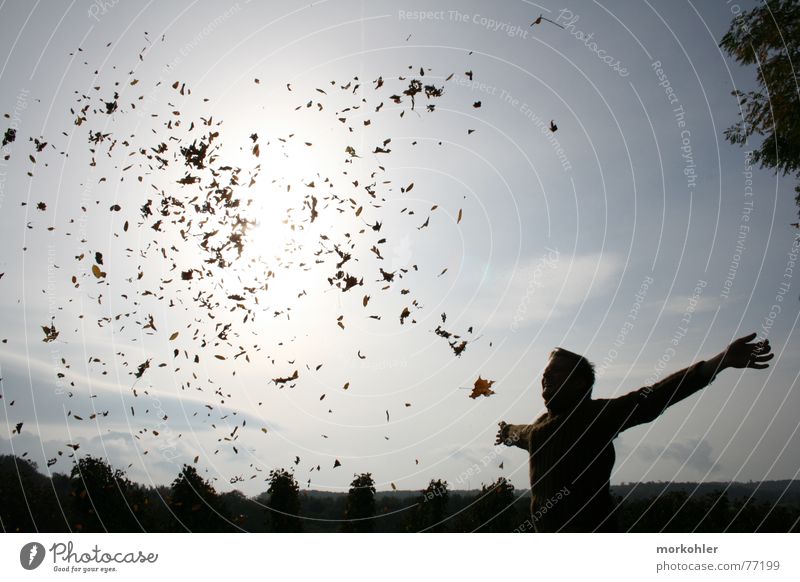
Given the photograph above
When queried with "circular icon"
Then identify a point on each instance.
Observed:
(31, 555)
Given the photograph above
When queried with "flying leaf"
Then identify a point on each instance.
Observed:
(142, 368)
(50, 333)
(482, 388)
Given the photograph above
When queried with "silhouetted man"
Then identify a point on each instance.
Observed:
(571, 445)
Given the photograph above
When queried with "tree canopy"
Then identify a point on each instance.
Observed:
(33, 502)
(768, 36)
(360, 504)
(105, 499)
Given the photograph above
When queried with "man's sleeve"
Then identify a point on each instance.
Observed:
(646, 404)
(518, 435)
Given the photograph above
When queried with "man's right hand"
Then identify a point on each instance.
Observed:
(501, 434)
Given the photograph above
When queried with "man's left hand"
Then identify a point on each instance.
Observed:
(744, 353)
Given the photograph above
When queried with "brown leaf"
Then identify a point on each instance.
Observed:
(482, 388)
(50, 333)
(287, 379)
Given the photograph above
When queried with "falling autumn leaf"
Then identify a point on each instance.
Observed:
(482, 388)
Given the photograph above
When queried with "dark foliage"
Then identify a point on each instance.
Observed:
(29, 501)
(431, 511)
(98, 498)
(494, 509)
(104, 498)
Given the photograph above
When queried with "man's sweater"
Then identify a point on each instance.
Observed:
(572, 452)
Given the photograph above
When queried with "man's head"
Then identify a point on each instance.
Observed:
(567, 380)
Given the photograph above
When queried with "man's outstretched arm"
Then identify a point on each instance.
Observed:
(646, 404)
(518, 435)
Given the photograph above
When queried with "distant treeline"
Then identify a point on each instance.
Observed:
(95, 497)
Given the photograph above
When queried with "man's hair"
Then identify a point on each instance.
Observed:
(582, 368)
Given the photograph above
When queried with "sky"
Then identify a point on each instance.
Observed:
(633, 234)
